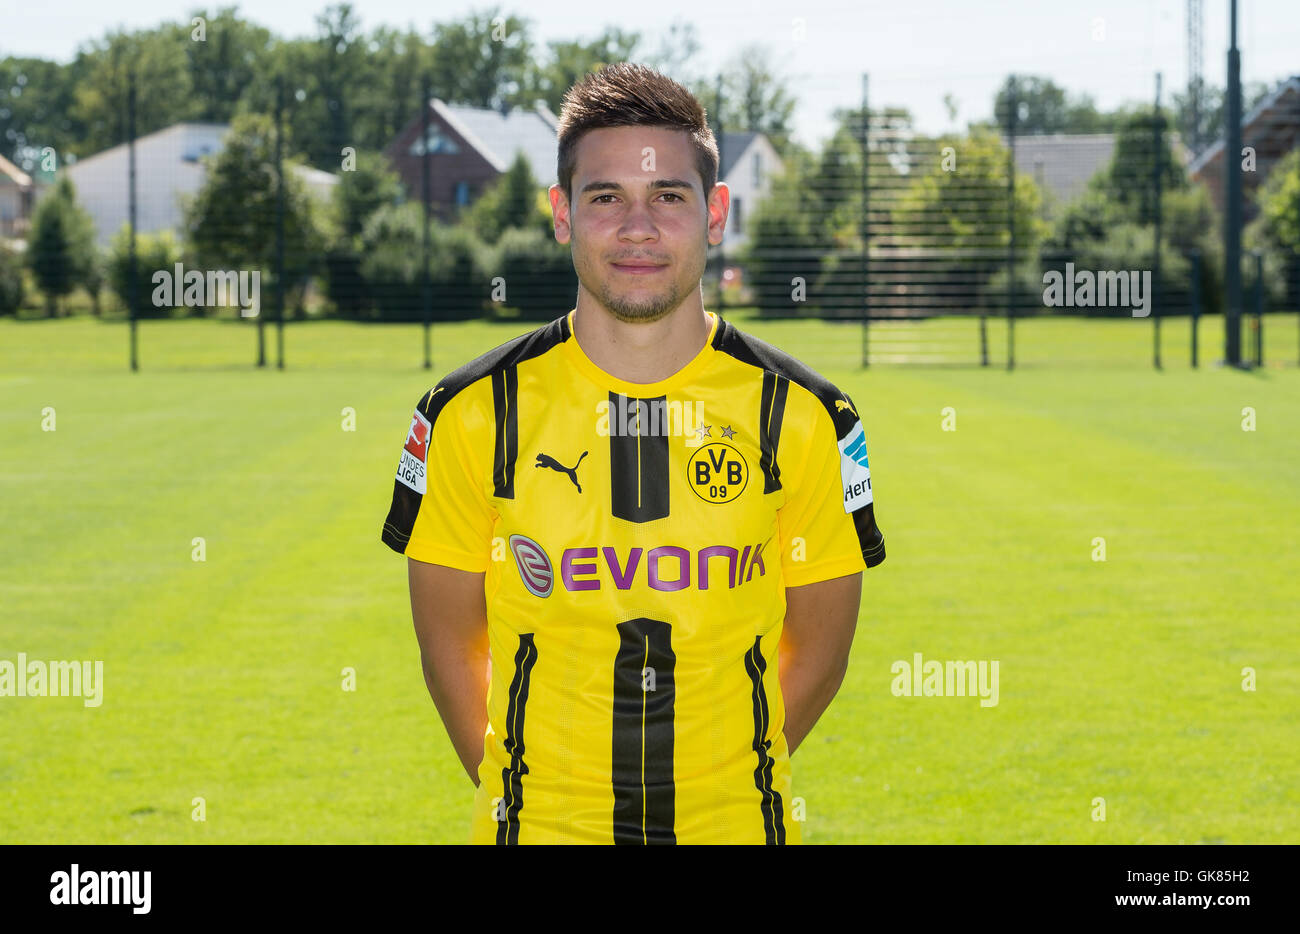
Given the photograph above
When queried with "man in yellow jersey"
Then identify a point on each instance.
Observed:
(636, 535)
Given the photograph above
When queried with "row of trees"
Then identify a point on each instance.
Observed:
(941, 216)
(364, 248)
(348, 87)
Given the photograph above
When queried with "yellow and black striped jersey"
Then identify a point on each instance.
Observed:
(637, 540)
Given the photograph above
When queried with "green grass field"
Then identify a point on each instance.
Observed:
(1119, 679)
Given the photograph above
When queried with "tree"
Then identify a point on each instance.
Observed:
(781, 256)
(1111, 224)
(1045, 107)
(61, 243)
(369, 186)
(363, 190)
(1209, 123)
(390, 93)
(153, 252)
(481, 60)
(677, 47)
(1276, 230)
(231, 222)
(570, 61)
(1279, 204)
(965, 208)
(227, 59)
(1130, 179)
(11, 281)
(754, 98)
(92, 278)
(537, 273)
(38, 98)
(952, 220)
(163, 92)
(392, 268)
(510, 202)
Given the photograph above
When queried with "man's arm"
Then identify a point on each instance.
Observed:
(815, 641)
(450, 613)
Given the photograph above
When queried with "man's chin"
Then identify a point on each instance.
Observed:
(640, 312)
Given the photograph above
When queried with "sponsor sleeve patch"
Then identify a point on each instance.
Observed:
(854, 469)
(415, 454)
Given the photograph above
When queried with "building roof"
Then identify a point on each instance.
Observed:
(1062, 163)
(1272, 101)
(205, 138)
(14, 174)
(499, 136)
(733, 146)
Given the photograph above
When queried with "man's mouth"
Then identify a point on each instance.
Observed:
(638, 268)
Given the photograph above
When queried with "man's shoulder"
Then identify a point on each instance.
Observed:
(494, 364)
(758, 353)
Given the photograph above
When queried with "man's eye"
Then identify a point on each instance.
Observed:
(666, 194)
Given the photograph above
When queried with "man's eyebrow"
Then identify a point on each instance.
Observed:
(655, 185)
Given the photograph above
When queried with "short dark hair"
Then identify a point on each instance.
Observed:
(626, 94)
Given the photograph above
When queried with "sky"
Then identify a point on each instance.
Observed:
(915, 53)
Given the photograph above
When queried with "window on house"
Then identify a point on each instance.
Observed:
(758, 171)
(462, 193)
(735, 213)
(438, 143)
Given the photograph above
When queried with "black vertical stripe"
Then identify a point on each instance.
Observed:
(638, 466)
(505, 395)
(870, 538)
(771, 412)
(642, 764)
(773, 824)
(512, 776)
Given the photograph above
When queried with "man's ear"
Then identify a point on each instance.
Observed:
(559, 213)
(719, 206)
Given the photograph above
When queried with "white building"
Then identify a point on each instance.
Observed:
(168, 170)
(748, 162)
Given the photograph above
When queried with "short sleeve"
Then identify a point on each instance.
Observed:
(439, 513)
(827, 526)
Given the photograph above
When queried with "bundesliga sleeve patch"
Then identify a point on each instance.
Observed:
(854, 470)
(415, 454)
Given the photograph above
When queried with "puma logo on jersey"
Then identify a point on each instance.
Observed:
(545, 460)
(841, 405)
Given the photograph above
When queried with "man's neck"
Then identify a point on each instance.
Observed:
(642, 352)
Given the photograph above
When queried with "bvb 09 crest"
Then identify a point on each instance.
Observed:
(717, 472)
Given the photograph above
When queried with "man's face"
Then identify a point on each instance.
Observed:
(639, 222)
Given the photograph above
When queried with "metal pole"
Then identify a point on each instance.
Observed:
(426, 290)
(279, 221)
(1196, 304)
(1012, 116)
(1259, 308)
(133, 287)
(1157, 167)
(865, 261)
(1232, 189)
